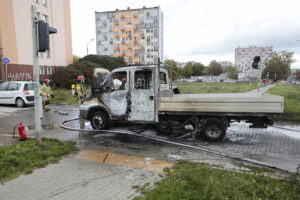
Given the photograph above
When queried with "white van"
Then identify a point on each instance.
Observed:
(20, 93)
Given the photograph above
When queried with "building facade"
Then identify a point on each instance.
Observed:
(16, 37)
(135, 34)
(244, 59)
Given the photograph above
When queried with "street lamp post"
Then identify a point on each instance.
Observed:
(87, 46)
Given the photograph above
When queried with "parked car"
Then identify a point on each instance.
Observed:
(20, 93)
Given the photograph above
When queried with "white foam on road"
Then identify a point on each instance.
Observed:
(288, 133)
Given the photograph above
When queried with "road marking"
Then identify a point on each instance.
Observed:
(146, 164)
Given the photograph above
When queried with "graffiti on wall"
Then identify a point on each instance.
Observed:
(19, 76)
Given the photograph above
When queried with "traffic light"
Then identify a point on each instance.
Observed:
(43, 34)
(255, 62)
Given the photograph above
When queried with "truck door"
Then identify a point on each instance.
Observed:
(143, 96)
(116, 100)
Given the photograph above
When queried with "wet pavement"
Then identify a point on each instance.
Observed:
(276, 147)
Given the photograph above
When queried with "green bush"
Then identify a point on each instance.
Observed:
(64, 77)
(106, 62)
(86, 68)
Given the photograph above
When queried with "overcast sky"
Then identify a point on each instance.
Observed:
(203, 30)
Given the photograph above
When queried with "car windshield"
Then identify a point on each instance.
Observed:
(29, 86)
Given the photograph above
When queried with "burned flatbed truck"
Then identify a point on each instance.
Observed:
(146, 96)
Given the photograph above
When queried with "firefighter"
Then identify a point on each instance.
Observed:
(80, 90)
(46, 93)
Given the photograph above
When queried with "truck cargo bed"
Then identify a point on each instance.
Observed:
(223, 102)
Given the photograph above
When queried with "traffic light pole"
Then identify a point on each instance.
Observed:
(38, 103)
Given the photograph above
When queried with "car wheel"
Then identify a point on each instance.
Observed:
(20, 102)
(213, 130)
(98, 120)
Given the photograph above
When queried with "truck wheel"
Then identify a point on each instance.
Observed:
(98, 120)
(213, 130)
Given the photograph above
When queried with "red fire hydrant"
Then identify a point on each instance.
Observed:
(22, 133)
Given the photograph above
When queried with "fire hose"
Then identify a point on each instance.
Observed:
(62, 125)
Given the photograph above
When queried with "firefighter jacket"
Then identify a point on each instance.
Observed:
(46, 92)
(80, 90)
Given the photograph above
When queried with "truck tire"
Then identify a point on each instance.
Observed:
(213, 130)
(98, 120)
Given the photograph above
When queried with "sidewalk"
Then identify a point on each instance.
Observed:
(262, 90)
(74, 178)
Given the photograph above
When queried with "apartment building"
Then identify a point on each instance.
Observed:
(244, 59)
(135, 34)
(16, 37)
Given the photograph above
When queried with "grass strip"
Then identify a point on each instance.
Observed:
(194, 181)
(23, 157)
(214, 87)
(63, 96)
(291, 94)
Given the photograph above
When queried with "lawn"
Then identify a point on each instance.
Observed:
(291, 94)
(215, 87)
(63, 96)
(23, 157)
(194, 181)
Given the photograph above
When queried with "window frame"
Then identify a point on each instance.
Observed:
(42, 70)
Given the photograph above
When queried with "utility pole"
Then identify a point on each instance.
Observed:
(38, 114)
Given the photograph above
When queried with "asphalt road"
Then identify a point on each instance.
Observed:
(7, 110)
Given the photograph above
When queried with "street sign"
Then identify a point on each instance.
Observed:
(5, 60)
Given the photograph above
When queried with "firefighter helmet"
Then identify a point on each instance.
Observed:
(80, 78)
(47, 81)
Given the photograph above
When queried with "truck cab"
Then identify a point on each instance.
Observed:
(135, 100)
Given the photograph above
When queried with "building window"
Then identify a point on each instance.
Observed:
(45, 3)
(39, 16)
(45, 18)
(42, 70)
(36, 1)
(49, 70)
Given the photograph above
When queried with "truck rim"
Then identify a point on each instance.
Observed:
(98, 121)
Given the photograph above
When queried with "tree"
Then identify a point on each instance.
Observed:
(86, 69)
(214, 69)
(64, 77)
(232, 72)
(75, 58)
(297, 75)
(171, 66)
(278, 66)
(197, 69)
(107, 62)
(188, 69)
